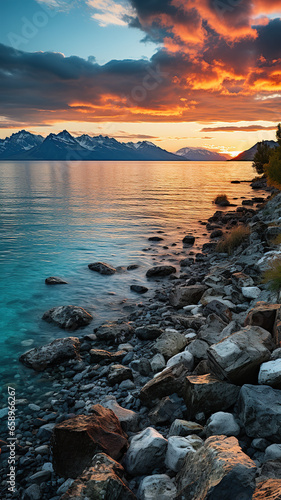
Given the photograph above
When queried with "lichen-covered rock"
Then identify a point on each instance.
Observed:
(51, 354)
(268, 490)
(68, 317)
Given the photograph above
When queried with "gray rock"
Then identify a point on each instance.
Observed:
(148, 332)
(160, 271)
(218, 470)
(156, 487)
(33, 492)
(251, 292)
(168, 382)
(139, 289)
(239, 356)
(222, 423)
(146, 452)
(68, 317)
(102, 268)
(198, 348)
(219, 309)
(40, 477)
(128, 419)
(273, 452)
(185, 428)
(51, 354)
(170, 343)
(118, 373)
(211, 332)
(53, 280)
(259, 409)
(158, 363)
(270, 373)
(185, 358)
(64, 487)
(186, 295)
(115, 332)
(178, 448)
(166, 410)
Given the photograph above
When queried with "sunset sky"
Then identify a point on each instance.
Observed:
(177, 72)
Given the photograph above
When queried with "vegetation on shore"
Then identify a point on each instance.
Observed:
(268, 161)
(272, 275)
(233, 239)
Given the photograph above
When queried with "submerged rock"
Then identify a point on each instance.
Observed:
(51, 354)
(53, 280)
(139, 289)
(189, 240)
(102, 268)
(68, 317)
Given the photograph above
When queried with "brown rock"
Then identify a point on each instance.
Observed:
(267, 316)
(186, 295)
(76, 440)
(167, 382)
(268, 490)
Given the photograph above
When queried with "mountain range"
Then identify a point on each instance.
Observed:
(249, 154)
(201, 154)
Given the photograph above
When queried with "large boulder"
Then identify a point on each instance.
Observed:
(186, 295)
(266, 316)
(51, 354)
(68, 317)
(170, 343)
(207, 394)
(219, 470)
(169, 381)
(102, 268)
(178, 448)
(102, 480)
(239, 356)
(114, 332)
(128, 419)
(268, 490)
(156, 487)
(146, 452)
(160, 271)
(270, 373)
(76, 440)
(259, 409)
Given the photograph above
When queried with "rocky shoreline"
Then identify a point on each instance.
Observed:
(182, 400)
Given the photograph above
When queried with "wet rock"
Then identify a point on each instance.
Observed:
(222, 423)
(217, 233)
(156, 487)
(170, 343)
(168, 382)
(185, 295)
(207, 394)
(76, 440)
(115, 332)
(51, 354)
(132, 267)
(155, 238)
(239, 356)
(188, 261)
(178, 448)
(218, 470)
(54, 280)
(128, 419)
(118, 373)
(146, 452)
(160, 271)
(185, 428)
(270, 374)
(148, 332)
(102, 268)
(68, 317)
(102, 480)
(139, 289)
(268, 490)
(188, 240)
(259, 409)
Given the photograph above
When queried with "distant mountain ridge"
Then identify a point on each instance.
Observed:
(201, 154)
(249, 154)
(63, 147)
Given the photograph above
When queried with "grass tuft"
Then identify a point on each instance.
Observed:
(272, 275)
(233, 239)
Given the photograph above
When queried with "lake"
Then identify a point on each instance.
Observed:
(58, 217)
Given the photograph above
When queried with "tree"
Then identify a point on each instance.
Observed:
(262, 155)
(278, 134)
(273, 167)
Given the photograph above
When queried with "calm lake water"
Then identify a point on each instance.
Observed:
(56, 218)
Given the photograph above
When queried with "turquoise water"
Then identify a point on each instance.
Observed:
(56, 218)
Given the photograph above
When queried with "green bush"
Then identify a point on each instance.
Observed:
(273, 168)
(233, 239)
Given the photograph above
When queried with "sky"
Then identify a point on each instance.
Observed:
(176, 72)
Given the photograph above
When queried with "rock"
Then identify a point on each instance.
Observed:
(218, 470)
(259, 409)
(139, 289)
(270, 374)
(251, 292)
(271, 470)
(219, 309)
(64, 487)
(276, 354)
(166, 410)
(217, 233)
(51, 354)
(156, 487)
(40, 477)
(102, 268)
(198, 348)
(178, 448)
(185, 428)
(148, 332)
(185, 295)
(102, 480)
(170, 343)
(270, 490)
(273, 452)
(205, 393)
(115, 332)
(128, 419)
(98, 355)
(188, 261)
(222, 423)
(160, 271)
(188, 240)
(53, 280)
(185, 358)
(76, 440)
(157, 363)
(118, 373)
(241, 280)
(132, 267)
(168, 382)
(146, 452)
(155, 238)
(263, 315)
(211, 332)
(33, 492)
(239, 356)
(68, 317)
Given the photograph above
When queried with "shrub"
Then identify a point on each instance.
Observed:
(261, 157)
(273, 169)
(272, 275)
(222, 200)
(233, 239)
